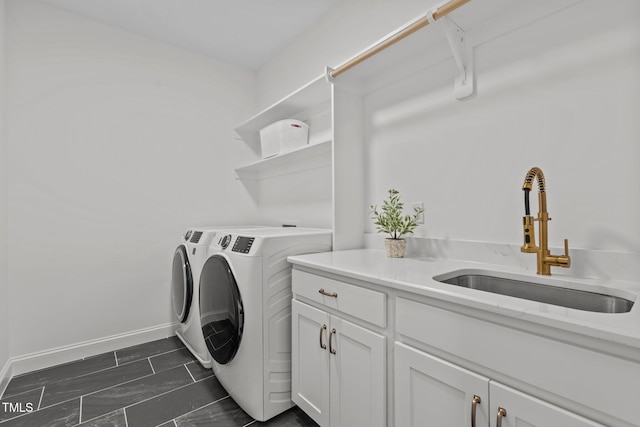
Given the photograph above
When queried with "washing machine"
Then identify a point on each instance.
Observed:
(245, 313)
(188, 259)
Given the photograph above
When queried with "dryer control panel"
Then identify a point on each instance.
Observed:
(243, 244)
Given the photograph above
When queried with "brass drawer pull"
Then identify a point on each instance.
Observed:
(322, 345)
(331, 349)
(323, 292)
(474, 403)
(501, 413)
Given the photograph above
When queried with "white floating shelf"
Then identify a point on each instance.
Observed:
(302, 104)
(304, 158)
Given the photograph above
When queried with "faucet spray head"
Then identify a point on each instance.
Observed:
(529, 245)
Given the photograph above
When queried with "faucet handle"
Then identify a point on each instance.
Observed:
(557, 260)
(566, 252)
(565, 261)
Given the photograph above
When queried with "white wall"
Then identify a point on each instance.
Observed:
(562, 93)
(4, 286)
(116, 143)
(339, 35)
(306, 197)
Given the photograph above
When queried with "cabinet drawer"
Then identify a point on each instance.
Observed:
(356, 301)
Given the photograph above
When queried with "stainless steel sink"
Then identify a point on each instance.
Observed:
(549, 294)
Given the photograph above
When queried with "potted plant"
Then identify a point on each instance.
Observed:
(390, 220)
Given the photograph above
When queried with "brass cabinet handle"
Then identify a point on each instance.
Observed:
(322, 345)
(331, 349)
(501, 413)
(474, 403)
(323, 292)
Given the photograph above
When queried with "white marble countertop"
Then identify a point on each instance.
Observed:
(415, 275)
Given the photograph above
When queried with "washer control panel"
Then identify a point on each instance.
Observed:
(243, 244)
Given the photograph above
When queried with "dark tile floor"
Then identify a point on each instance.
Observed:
(154, 384)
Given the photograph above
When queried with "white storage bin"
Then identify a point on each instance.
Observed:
(283, 136)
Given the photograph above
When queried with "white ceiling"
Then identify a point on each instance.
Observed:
(241, 32)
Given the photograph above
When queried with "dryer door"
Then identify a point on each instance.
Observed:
(181, 284)
(221, 311)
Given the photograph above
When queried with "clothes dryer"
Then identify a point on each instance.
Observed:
(188, 259)
(245, 313)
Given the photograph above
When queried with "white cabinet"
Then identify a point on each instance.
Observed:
(585, 382)
(338, 372)
(310, 368)
(358, 376)
(432, 391)
(446, 367)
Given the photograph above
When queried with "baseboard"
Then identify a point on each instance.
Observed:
(57, 356)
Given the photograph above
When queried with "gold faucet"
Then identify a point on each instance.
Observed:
(545, 259)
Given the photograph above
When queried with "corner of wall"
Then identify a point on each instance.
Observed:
(5, 371)
(5, 376)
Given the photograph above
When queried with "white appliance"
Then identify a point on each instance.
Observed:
(245, 312)
(188, 259)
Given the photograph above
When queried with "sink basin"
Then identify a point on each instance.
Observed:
(549, 294)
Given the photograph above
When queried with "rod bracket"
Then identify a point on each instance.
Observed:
(463, 55)
(328, 74)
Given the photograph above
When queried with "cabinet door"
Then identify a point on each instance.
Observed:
(432, 392)
(358, 376)
(309, 361)
(523, 410)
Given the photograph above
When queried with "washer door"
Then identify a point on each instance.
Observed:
(221, 311)
(181, 284)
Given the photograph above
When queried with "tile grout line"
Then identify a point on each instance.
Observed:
(63, 365)
(94, 372)
(76, 377)
(41, 396)
(158, 354)
(185, 367)
(250, 423)
(130, 381)
(175, 423)
(102, 389)
(135, 379)
(118, 365)
(26, 414)
(80, 415)
(202, 407)
(126, 382)
(115, 356)
(126, 421)
(149, 398)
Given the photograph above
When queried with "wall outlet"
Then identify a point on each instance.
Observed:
(415, 205)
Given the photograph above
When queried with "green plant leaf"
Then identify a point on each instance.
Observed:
(390, 218)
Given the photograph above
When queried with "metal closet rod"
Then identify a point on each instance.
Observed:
(420, 23)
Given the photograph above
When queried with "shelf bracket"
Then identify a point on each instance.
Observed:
(463, 56)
